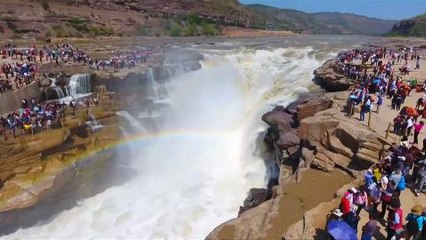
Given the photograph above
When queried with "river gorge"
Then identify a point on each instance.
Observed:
(194, 142)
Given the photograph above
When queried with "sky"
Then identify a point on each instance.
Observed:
(384, 9)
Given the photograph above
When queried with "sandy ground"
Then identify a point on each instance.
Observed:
(379, 123)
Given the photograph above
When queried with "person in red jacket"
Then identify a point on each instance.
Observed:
(395, 219)
(345, 203)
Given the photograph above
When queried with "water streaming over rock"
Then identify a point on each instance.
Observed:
(79, 84)
(196, 168)
(93, 124)
(59, 92)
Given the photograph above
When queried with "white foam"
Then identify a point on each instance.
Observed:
(195, 174)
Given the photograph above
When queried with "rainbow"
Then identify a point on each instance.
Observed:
(146, 138)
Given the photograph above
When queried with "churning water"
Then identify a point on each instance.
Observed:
(194, 171)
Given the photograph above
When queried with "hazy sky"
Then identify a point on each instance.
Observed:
(385, 9)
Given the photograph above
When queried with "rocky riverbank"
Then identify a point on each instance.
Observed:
(34, 169)
(50, 171)
(306, 136)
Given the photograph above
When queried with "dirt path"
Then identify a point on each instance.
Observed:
(379, 123)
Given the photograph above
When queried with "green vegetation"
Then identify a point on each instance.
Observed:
(410, 27)
(83, 28)
(185, 26)
(190, 26)
(45, 5)
(176, 31)
(59, 31)
(141, 30)
(79, 24)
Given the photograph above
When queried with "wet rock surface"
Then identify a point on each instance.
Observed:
(44, 173)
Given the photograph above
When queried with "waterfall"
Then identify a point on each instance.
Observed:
(194, 171)
(157, 92)
(79, 84)
(93, 123)
(132, 121)
(59, 91)
(154, 87)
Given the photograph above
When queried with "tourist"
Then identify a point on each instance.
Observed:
(415, 222)
(420, 102)
(374, 197)
(379, 103)
(423, 233)
(387, 189)
(410, 125)
(346, 203)
(368, 178)
(370, 228)
(365, 108)
(395, 219)
(417, 129)
(360, 199)
(421, 179)
(398, 124)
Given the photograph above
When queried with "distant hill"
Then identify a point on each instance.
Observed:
(321, 23)
(415, 27)
(82, 18)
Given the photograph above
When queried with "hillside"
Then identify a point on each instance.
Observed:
(321, 23)
(414, 27)
(78, 18)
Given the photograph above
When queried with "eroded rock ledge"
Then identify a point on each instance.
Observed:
(36, 171)
(330, 80)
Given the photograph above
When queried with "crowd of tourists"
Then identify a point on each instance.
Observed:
(34, 117)
(17, 75)
(31, 118)
(22, 68)
(120, 60)
(401, 167)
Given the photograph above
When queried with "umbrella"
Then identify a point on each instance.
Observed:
(409, 111)
(340, 230)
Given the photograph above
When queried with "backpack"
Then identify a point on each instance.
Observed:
(401, 184)
(358, 198)
(413, 225)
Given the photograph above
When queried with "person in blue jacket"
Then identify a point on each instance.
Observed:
(415, 222)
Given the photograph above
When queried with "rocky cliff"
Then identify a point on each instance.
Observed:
(309, 134)
(330, 80)
(36, 169)
(415, 27)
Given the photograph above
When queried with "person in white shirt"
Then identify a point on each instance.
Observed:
(410, 124)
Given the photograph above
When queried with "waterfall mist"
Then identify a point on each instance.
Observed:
(198, 151)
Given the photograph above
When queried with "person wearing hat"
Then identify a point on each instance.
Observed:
(415, 223)
(386, 189)
(395, 218)
(423, 233)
